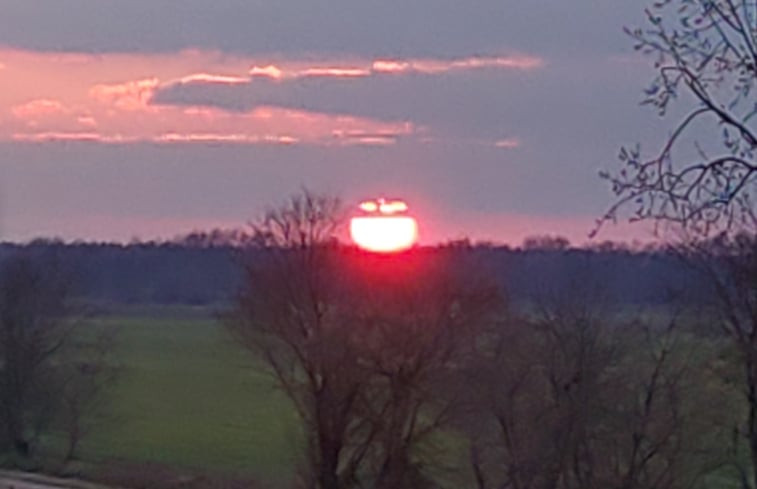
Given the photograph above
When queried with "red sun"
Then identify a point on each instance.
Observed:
(383, 226)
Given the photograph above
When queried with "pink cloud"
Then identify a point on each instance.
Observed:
(48, 119)
(36, 108)
(109, 98)
(370, 138)
(429, 66)
(269, 71)
(90, 99)
(335, 72)
(390, 66)
(264, 125)
(209, 78)
(438, 66)
(224, 138)
(130, 95)
(127, 113)
(58, 136)
(86, 120)
(507, 143)
(297, 69)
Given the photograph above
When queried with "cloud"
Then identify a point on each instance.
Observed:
(173, 137)
(297, 28)
(210, 78)
(73, 97)
(48, 136)
(436, 66)
(454, 98)
(69, 76)
(197, 96)
(49, 116)
(165, 124)
(130, 95)
(507, 143)
(86, 120)
(268, 71)
(36, 108)
(367, 138)
(336, 72)
(290, 70)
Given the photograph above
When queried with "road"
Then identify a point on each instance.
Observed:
(21, 480)
(16, 484)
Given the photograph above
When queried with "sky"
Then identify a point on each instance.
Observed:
(151, 118)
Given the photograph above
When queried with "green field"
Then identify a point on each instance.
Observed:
(188, 397)
(190, 400)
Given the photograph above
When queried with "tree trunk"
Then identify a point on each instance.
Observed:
(15, 430)
(328, 473)
(752, 420)
(329, 446)
(74, 434)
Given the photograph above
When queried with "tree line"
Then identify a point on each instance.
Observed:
(204, 268)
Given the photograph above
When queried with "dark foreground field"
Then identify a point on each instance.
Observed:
(190, 408)
(188, 398)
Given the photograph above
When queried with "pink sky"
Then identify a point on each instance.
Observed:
(492, 120)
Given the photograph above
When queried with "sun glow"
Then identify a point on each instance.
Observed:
(383, 226)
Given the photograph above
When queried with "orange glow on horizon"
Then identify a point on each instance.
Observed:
(384, 228)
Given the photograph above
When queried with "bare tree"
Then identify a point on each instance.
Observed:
(34, 327)
(422, 314)
(571, 397)
(84, 377)
(49, 370)
(705, 53)
(729, 266)
(289, 312)
(361, 343)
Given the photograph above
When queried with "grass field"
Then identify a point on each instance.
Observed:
(190, 399)
(187, 396)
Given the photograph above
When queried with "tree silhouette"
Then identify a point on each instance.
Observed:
(361, 343)
(705, 54)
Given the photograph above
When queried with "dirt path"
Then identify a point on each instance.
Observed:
(22, 480)
(16, 484)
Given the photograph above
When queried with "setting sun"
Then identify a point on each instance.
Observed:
(383, 226)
